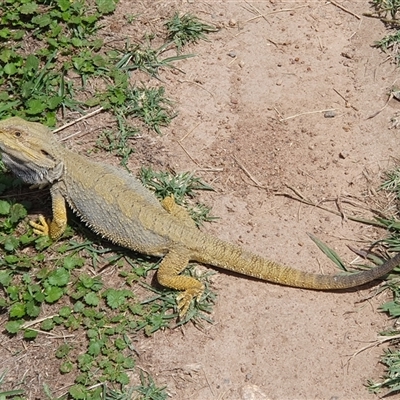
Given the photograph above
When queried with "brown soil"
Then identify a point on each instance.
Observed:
(251, 123)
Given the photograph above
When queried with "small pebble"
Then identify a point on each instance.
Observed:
(329, 114)
(232, 22)
(396, 94)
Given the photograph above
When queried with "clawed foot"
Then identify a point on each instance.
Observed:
(169, 203)
(42, 227)
(185, 298)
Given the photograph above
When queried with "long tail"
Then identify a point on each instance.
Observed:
(216, 252)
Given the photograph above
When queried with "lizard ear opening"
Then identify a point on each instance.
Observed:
(45, 153)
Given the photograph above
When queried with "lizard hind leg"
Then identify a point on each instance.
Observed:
(168, 275)
(178, 211)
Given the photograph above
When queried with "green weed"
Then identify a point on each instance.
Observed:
(149, 390)
(149, 105)
(385, 7)
(391, 359)
(180, 186)
(391, 244)
(146, 59)
(70, 57)
(33, 84)
(390, 43)
(118, 141)
(392, 181)
(9, 394)
(186, 28)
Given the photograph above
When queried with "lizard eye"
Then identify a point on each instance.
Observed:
(17, 133)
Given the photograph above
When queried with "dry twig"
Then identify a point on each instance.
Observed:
(78, 120)
(188, 154)
(196, 84)
(344, 9)
(379, 111)
(273, 12)
(305, 113)
(377, 342)
(245, 170)
(302, 199)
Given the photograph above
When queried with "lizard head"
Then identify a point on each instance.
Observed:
(28, 149)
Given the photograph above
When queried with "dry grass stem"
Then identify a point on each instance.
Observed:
(273, 12)
(377, 342)
(347, 103)
(52, 335)
(344, 9)
(300, 197)
(306, 113)
(260, 15)
(379, 111)
(245, 170)
(198, 85)
(28, 324)
(189, 133)
(188, 154)
(78, 120)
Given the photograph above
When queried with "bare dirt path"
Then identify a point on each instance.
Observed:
(301, 57)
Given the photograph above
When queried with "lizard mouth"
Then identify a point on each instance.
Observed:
(31, 172)
(25, 170)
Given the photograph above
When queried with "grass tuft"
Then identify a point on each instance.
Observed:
(187, 28)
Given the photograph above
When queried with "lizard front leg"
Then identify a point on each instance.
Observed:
(55, 227)
(168, 275)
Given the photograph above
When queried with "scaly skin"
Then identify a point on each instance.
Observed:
(117, 207)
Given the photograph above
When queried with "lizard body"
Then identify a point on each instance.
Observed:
(116, 206)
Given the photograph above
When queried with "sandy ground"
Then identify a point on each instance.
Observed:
(276, 100)
(268, 341)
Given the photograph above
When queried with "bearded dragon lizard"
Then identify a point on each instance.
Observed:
(116, 206)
